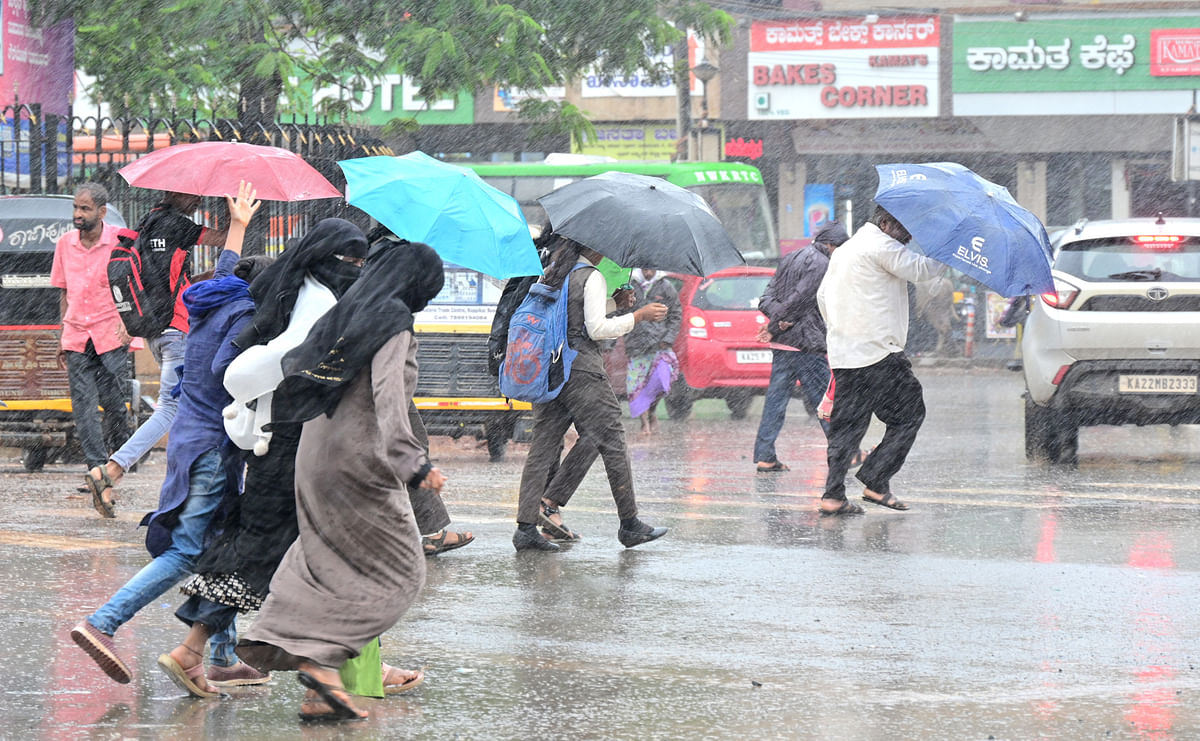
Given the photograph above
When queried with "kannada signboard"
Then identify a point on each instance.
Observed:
(843, 68)
(638, 84)
(631, 142)
(1075, 65)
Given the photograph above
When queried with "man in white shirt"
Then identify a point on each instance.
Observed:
(864, 300)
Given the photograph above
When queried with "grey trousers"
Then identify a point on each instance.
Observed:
(99, 380)
(587, 401)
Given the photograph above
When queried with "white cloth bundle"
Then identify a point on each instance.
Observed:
(254, 375)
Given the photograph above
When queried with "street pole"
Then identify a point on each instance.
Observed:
(683, 105)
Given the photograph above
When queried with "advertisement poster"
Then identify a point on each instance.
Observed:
(843, 68)
(508, 100)
(818, 207)
(38, 64)
(996, 304)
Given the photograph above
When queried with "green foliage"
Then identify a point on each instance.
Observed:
(209, 50)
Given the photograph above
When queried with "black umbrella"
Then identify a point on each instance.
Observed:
(642, 222)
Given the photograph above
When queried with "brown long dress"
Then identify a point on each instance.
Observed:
(358, 564)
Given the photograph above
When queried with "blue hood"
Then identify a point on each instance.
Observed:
(207, 295)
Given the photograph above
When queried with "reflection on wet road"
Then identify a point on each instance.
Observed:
(1014, 601)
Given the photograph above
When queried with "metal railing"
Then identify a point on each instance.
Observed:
(47, 153)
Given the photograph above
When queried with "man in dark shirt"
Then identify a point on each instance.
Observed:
(168, 228)
(790, 303)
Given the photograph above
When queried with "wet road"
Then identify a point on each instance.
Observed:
(1014, 601)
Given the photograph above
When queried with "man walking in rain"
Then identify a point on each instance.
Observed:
(93, 338)
(864, 299)
(790, 302)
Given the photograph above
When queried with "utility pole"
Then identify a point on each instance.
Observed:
(683, 104)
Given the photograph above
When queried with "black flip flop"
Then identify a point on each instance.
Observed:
(775, 467)
(847, 508)
(340, 709)
(98, 486)
(888, 500)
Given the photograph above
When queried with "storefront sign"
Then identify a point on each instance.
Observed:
(375, 102)
(748, 148)
(843, 68)
(639, 84)
(1075, 66)
(631, 142)
(1174, 52)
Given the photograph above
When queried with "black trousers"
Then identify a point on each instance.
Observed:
(428, 508)
(587, 401)
(889, 390)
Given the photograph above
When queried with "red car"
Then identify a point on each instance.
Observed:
(718, 354)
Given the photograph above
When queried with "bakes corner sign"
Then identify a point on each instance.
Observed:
(844, 68)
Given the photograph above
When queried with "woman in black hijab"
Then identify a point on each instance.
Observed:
(234, 572)
(357, 564)
(331, 253)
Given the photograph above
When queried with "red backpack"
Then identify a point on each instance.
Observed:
(146, 278)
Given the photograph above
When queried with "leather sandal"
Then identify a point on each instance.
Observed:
(556, 532)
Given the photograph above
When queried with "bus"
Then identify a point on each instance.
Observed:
(455, 393)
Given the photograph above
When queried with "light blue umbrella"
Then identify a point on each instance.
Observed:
(970, 224)
(450, 208)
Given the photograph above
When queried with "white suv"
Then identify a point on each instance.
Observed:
(1118, 341)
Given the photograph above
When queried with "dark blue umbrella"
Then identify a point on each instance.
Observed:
(970, 224)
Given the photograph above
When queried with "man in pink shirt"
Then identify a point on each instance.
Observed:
(94, 342)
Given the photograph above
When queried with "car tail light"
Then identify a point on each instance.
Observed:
(1062, 296)
(1159, 242)
(1062, 372)
(698, 326)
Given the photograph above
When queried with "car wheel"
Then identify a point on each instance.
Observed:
(1037, 431)
(34, 459)
(739, 404)
(679, 401)
(1064, 446)
(1050, 434)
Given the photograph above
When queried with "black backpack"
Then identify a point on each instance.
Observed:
(146, 278)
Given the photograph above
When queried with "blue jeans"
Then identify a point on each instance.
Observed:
(812, 370)
(206, 487)
(98, 380)
(167, 349)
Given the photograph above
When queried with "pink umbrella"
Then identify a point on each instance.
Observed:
(216, 168)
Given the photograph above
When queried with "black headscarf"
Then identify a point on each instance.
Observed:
(397, 281)
(275, 290)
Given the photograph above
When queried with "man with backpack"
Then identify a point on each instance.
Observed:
(575, 390)
(148, 273)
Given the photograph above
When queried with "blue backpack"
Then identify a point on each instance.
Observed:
(537, 361)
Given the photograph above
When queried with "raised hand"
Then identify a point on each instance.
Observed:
(243, 208)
